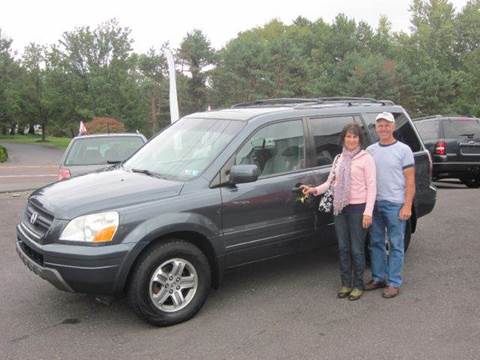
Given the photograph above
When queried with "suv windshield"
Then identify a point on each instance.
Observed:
(99, 150)
(185, 149)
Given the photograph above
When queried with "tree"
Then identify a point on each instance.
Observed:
(99, 63)
(10, 83)
(195, 56)
(152, 69)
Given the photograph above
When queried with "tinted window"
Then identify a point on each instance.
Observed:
(326, 135)
(275, 149)
(99, 150)
(454, 128)
(429, 129)
(405, 131)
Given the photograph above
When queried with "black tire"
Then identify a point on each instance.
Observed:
(139, 289)
(472, 183)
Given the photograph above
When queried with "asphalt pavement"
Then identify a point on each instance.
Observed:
(29, 166)
(280, 309)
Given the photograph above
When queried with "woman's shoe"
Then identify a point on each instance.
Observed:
(343, 292)
(355, 294)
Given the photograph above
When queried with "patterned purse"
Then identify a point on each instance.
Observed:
(326, 202)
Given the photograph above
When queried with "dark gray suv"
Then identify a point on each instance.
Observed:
(454, 142)
(213, 191)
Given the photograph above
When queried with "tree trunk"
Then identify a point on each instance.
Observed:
(44, 128)
(153, 113)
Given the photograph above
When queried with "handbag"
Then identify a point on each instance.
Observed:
(326, 203)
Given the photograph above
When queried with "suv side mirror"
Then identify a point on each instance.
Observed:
(243, 174)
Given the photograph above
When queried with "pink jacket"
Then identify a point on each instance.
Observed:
(363, 185)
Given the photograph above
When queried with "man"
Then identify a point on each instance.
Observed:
(393, 206)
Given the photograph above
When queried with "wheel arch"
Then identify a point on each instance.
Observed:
(196, 238)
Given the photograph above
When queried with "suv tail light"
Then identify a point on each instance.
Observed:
(63, 173)
(441, 148)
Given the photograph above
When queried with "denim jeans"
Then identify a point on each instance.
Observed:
(351, 248)
(387, 268)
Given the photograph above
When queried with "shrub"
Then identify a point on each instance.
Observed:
(101, 125)
(3, 154)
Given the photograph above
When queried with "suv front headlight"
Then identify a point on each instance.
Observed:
(93, 228)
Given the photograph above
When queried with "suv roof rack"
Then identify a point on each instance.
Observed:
(448, 116)
(274, 102)
(428, 117)
(303, 102)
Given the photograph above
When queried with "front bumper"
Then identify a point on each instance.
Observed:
(51, 275)
(74, 268)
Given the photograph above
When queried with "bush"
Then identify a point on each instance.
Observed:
(3, 154)
(102, 125)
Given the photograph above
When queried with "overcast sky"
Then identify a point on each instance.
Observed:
(154, 22)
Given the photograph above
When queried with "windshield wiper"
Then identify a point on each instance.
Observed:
(471, 135)
(146, 172)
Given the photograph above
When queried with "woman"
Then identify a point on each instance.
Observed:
(354, 191)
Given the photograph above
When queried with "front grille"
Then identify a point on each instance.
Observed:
(43, 221)
(32, 254)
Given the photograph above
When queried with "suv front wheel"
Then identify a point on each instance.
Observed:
(169, 283)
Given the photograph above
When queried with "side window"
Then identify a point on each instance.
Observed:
(428, 130)
(404, 132)
(326, 136)
(275, 149)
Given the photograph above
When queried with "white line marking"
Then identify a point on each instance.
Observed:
(26, 166)
(28, 176)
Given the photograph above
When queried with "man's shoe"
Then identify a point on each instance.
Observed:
(343, 292)
(390, 292)
(373, 285)
(355, 294)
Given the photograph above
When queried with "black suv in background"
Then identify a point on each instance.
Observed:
(213, 191)
(454, 143)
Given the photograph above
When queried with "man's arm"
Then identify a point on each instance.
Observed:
(406, 210)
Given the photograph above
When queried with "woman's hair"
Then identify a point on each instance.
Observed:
(354, 129)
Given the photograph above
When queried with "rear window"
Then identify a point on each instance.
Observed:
(404, 132)
(455, 128)
(101, 150)
(429, 129)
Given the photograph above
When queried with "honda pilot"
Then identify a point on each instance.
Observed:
(213, 191)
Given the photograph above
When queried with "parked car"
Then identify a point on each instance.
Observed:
(213, 191)
(454, 143)
(89, 153)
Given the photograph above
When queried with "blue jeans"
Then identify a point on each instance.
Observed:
(387, 268)
(351, 248)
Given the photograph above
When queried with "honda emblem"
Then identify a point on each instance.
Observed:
(33, 218)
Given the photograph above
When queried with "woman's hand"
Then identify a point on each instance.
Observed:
(307, 190)
(367, 221)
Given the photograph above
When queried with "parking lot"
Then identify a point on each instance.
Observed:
(280, 309)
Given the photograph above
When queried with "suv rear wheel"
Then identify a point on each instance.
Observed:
(170, 283)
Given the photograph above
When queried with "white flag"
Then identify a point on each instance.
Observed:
(82, 130)
(173, 86)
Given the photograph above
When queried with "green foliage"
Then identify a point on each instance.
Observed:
(93, 72)
(57, 142)
(3, 154)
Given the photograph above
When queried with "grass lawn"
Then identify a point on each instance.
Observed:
(58, 142)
